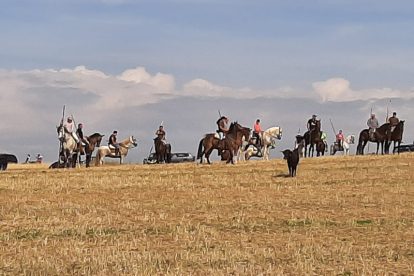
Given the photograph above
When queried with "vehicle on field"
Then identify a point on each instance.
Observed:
(406, 148)
(180, 157)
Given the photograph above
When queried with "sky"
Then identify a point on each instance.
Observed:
(130, 65)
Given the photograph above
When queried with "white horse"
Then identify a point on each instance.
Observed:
(69, 146)
(248, 148)
(109, 151)
(345, 144)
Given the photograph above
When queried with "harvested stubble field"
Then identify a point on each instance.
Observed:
(340, 216)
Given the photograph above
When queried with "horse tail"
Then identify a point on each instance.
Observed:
(200, 149)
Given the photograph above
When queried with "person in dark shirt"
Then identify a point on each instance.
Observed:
(312, 123)
(393, 121)
(161, 134)
(113, 142)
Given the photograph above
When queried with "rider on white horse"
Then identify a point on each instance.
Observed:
(70, 127)
(340, 140)
(114, 143)
(257, 130)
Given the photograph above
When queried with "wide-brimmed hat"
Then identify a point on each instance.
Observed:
(70, 118)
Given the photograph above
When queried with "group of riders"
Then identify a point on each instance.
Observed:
(222, 129)
(83, 140)
(372, 124)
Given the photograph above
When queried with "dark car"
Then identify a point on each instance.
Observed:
(405, 148)
(175, 158)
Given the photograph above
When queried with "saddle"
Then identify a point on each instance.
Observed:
(113, 149)
(217, 136)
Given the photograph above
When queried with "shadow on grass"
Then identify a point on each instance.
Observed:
(282, 175)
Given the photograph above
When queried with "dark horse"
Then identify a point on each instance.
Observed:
(313, 137)
(231, 143)
(396, 136)
(162, 151)
(243, 132)
(380, 136)
(320, 148)
(94, 141)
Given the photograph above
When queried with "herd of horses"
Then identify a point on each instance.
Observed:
(237, 144)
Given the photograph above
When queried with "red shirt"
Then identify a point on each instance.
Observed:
(257, 128)
(339, 137)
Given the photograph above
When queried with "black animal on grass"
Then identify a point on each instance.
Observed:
(292, 158)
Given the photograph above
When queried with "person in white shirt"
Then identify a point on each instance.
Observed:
(70, 127)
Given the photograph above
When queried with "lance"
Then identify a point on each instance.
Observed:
(332, 126)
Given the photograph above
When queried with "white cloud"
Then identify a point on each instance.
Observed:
(338, 90)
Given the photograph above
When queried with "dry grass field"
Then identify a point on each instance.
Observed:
(339, 216)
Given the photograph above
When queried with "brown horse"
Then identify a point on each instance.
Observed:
(162, 151)
(396, 136)
(230, 143)
(313, 137)
(381, 135)
(244, 132)
(320, 148)
(94, 141)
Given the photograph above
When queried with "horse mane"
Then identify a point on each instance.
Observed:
(96, 134)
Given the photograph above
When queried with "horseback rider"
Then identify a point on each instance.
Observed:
(372, 125)
(82, 137)
(161, 134)
(257, 130)
(70, 127)
(113, 142)
(222, 127)
(312, 123)
(393, 121)
(340, 140)
(323, 138)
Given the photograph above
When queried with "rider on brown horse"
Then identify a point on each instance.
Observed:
(82, 137)
(312, 123)
(393, 121)
(372, 125)
(161, 134)
(222, 126)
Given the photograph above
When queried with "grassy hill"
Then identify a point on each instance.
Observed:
(340, 216)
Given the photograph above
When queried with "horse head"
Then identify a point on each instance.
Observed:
(133, 141)
(318, 124)
(60, 132)
(98, 142)
(351, 139)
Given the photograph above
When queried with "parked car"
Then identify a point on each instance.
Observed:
(405, 148)
(180, 157)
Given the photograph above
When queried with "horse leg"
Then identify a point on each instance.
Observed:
(88, 160)
(207, 155)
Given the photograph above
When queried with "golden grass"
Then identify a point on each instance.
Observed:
(339, 216)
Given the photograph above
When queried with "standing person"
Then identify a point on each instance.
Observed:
(311, 123)
(372, 125)
(222, 127)
(161, 134)
(113, 142)
(70, 127)
(340, 140)
(393, 121)
(257, 130)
